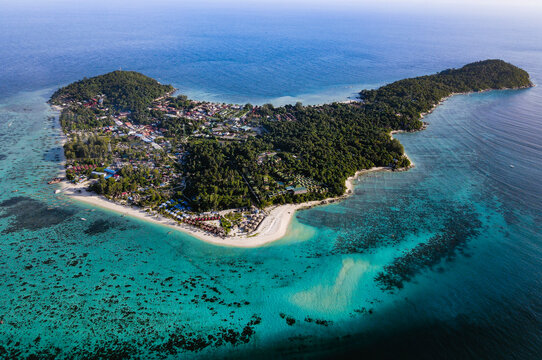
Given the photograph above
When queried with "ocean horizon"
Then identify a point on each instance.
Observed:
(114, 286)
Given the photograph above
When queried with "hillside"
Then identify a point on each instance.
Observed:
(123, 90)
(410, 97)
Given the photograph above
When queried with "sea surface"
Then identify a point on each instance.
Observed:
(441, 261)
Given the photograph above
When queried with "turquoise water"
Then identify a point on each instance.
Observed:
(441, 261)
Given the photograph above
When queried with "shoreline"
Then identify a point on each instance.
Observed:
(404, 151)
(273, 227)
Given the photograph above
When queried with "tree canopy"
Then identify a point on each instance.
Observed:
(317, 145)
(123, 90)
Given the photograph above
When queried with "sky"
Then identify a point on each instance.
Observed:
(497, 10)
(503, 6)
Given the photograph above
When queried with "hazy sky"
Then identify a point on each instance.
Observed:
(402, 3)
(504, 7)
(446, 5)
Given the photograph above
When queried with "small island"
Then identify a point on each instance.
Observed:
(235, 174)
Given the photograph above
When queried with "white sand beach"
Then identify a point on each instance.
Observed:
(274, 227)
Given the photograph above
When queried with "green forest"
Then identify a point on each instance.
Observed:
(122, 90)
(326, 143)
(331, 142)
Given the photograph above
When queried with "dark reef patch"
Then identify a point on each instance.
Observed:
(442, 246)
(387, 226)
(184, 339)
(30, 214)
(101, 226)
(289, 320)
(318, 321)
(53, 155)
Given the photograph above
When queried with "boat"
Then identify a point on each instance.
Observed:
(83, 219)
(57, 191)
(54, 181)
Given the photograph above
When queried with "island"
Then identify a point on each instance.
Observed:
(235, 174)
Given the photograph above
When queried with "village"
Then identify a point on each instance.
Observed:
(152, 148)
(221, 121)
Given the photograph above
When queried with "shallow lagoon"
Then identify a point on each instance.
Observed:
(119, 284)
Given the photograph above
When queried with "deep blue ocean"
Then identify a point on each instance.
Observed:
(118, 287)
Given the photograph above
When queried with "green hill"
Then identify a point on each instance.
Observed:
(123, 90)
(410, 97)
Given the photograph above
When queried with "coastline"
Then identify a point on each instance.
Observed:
(274, 226)
(404, 151)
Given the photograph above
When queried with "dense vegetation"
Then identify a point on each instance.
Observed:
(92, 150)
(213, 177)
(331, 142)
(82, 118)
(123, 91)
(326, 143)
(399, 104)
(131, 179)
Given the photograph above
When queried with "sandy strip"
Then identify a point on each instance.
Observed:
(274, 226)
(87, 197)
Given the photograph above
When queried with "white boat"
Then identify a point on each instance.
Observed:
(83, 219)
